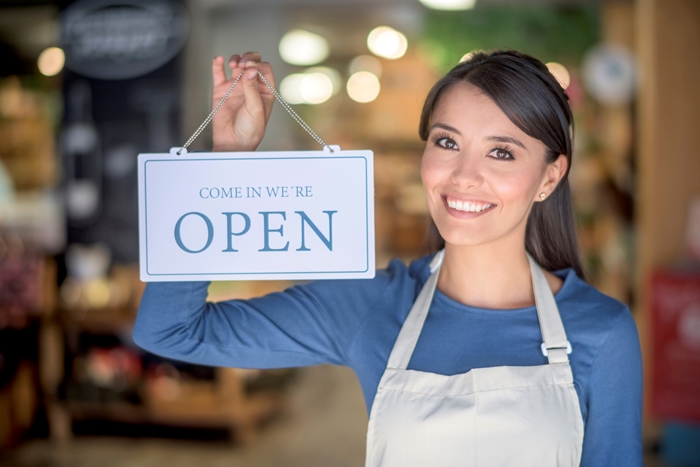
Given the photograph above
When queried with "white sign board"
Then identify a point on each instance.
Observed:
(256, 215)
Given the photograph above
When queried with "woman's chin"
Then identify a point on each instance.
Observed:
(464, 239)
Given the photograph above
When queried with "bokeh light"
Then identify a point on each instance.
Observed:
(290, 88)
(332, 74)
(363, 87)
(366, 63)
(51, 61)
(449, 4)
(299, 47)
(560, 73)
(316, 88)
(387, 42)
(466, 57)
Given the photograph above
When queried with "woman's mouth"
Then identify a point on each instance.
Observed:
(462, 207)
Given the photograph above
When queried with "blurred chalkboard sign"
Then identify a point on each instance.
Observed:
(119, 39)
(122, 97)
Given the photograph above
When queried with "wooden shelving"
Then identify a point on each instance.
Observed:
(226, 399)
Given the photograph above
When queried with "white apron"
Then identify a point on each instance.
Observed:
(499, 416)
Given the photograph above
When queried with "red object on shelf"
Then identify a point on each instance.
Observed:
(675, 307)
(21, 279)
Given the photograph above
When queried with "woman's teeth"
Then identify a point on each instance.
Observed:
(467, 206)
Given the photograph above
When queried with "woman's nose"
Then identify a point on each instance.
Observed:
(467, 171)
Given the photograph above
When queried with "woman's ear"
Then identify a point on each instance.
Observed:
(554, 172)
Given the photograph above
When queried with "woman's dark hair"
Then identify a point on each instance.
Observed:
(535, 102)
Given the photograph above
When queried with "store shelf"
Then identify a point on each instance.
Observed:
(241, 417)
(99, 374)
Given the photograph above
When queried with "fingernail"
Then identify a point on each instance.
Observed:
(252, 74)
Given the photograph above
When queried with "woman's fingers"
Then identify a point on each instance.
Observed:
(266, 94)
(241, 61)
(257, 100)
(266, 70)
(241, 123)
(253, 100)
(218, 71)
(249, 57)
(233, 61)
(238, 64)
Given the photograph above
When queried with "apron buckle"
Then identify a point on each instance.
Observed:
(544, 348)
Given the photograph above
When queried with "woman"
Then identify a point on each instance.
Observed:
(513, 364)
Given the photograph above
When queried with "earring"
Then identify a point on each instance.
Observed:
(543, 196)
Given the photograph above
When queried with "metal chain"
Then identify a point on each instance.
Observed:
(294, 115)
(210, 116)
(284, 104)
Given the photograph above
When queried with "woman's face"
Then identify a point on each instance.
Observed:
(482, 173)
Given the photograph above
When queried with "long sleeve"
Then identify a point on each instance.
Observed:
(279, 330)
(613, 434)
(304, 325)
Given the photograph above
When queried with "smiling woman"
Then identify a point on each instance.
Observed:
(512, 92)
(491, 351)
(497, 177)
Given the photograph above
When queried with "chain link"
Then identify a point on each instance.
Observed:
(282, 102)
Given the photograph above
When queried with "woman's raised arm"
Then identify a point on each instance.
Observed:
(306, 324)
(279, 330)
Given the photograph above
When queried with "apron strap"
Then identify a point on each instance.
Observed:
(553, 334)
(412, 327)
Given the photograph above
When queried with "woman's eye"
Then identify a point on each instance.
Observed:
(447, 143)
(501, 154)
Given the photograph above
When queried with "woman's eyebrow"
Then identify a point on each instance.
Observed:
(445, 126)
(507, 139)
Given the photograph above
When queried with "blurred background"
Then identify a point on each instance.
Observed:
(86, 86)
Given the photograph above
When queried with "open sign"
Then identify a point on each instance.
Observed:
(256, 215)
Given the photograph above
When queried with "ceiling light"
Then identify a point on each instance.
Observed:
(311, 87)
(387, 42)
(560, 72)
(449, 4)
(290, 88)
(363, 87)
(316, 88)
(51, 61)
(299, 47)
(466, 57)
(332, 74)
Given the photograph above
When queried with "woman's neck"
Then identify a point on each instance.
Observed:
(489, 276)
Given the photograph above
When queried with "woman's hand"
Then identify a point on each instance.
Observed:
(240, 123)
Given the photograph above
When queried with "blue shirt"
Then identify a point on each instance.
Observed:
(356, 322)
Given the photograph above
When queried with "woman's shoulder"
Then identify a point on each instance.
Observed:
(606, 355)
(575, 292)
(593, 319)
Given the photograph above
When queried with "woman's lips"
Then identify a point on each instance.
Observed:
(466, 209)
